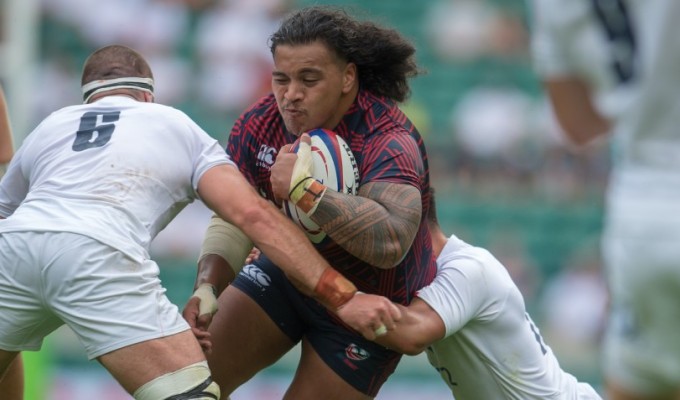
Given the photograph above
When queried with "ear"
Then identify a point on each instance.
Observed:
(148, 97)
(349, 78)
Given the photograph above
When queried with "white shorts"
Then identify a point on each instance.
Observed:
(641, 346)
(108, 299)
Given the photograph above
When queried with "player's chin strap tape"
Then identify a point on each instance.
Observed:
(189, 383)
(104, 85)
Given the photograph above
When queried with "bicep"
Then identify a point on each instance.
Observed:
(378, 226)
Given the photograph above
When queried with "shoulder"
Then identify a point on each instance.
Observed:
(263, 116)
(265, 109)
(475, 263)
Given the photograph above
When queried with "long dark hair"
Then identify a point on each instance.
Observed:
(384, 58)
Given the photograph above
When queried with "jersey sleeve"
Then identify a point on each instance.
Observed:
(392, 158)
(458, 293)
(14, 185)
(207, 153)
(549, 52)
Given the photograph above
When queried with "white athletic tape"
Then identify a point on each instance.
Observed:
(382, 330)
(206, 293)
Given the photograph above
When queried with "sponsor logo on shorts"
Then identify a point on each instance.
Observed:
(356, 353)
(256, 275)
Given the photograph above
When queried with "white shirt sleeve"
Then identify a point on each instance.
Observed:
(13, 186)
(458, 293)
(548, 42)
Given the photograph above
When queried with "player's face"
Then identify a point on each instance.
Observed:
(313, 88)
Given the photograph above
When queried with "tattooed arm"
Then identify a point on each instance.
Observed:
(377, 226)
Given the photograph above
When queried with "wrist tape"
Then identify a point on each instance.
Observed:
(334, 290)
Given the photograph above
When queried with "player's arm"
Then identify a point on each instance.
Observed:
(6, 149)
(419, 327)
(223, 252)
(378, 226)
(226, 192)
(573, 105)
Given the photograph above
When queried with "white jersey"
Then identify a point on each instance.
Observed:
(492, 349)
(628, 52)
(116, 170)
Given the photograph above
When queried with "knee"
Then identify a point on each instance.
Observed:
(191, 382)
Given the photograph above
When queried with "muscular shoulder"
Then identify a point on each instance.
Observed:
(261, 120)
(478, 267)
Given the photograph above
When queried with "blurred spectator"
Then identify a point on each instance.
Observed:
(464, 30)
(155, 27)
(573, 308)
(234, 60)
(182, 238)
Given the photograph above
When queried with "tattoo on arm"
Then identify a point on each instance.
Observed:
(377, 226)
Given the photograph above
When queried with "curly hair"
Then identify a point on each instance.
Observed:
(384, 58)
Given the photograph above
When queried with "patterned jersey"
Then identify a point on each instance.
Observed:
(117, 170)
(387, 148)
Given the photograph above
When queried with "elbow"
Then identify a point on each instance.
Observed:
(390, 259)
(253, 214)
(584, 131)
(579, 137)
(392, 255)
(409, 346)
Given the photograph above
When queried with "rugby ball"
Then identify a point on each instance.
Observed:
(333, 165)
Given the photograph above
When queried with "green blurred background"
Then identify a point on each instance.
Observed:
(505, 178)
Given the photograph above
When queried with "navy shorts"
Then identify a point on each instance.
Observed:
(362, 363)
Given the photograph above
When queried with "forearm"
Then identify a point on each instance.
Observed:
(575, 111)
(6, 147)
(225, 191)
(223, 252)
(377, 226)
(215, 271)
(418, 328)
(286, 245)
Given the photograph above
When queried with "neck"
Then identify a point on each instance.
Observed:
(439, 240)
(344, 105)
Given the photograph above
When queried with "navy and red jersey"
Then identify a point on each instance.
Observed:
(387, 148)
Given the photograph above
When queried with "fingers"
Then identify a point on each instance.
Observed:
(253, 255)
(370, 315)
(190, 312)
(390, 316)
(305, 138)
(203, 338)
(203, 321)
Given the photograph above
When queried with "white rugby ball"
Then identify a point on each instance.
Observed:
(334, 166)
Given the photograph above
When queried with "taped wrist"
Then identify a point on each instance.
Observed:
(305, 191)
(334, 290)
(307, 194)
(208, 296)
